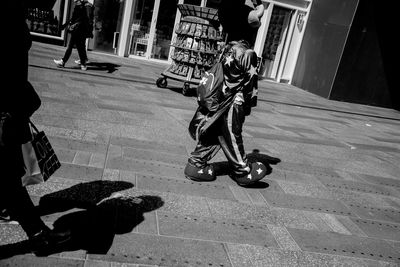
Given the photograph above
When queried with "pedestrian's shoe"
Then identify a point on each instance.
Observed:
(205, 174)
(47, 241)
(78, 61)
(83, 67)
(59, 62)
(257, 172)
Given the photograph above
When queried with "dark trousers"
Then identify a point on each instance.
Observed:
(77, 40)
(13, 196)
(225, 134)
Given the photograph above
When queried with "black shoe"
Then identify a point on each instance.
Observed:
(257, 172)
(46, 241)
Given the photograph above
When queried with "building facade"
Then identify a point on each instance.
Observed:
(307, 43)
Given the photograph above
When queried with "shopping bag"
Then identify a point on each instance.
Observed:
(39, 158)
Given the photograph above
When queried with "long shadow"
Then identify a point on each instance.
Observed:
(100, 66)
(106, 214)
(109, 67)
(222, 167)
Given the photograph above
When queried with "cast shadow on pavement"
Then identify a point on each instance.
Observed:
(100, 66)
(105, 213)
(222, 168)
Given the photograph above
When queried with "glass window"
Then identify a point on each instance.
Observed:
(192, 2)
(47, 21)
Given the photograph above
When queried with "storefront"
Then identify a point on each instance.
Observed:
(46, 24)
(144, 29)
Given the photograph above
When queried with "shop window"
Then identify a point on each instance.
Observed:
(193, 2)
(47, 21)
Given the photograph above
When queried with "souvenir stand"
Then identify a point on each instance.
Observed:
(196, 46)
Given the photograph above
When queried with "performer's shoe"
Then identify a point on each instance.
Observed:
(257, 172)
(205, 174)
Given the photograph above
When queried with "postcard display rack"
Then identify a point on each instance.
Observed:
(197, 45)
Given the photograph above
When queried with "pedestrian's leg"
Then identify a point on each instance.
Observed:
(14, 196)
(70, 46)
(81, 47)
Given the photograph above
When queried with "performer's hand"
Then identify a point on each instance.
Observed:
(255, 16)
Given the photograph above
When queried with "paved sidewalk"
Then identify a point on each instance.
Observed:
(333, 200)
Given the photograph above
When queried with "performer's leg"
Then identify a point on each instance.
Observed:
(197, 168)
(242, 171)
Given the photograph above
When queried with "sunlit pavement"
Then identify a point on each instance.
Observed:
(333, 200)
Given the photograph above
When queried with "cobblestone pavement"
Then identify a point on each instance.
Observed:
(333, 200)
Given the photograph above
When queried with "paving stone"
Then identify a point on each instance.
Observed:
(376, 213)
(180, 204)
(335, 224)
(308, 190)
(307, 169)
(167, 158)
(358, 198)
(291, 218)
(385, 181)
(82, 158)
(148, 145)
(30, 260)
(238, 255)
(64, 155)
(78, 172)
(145, 167)
(11, 232)
(256, 197)
(350, 225)
(317, 219)
(283, 238)
(307, 203)
(134, 108)
(204, 228)
(240, 195)
(345, 245)
(378, 229)
(359, 187)
(185, 187)
(97, 160)
(149, 225)
(165, 251)
(114, 175)
(261, 257)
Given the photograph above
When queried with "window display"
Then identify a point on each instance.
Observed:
(47, 21)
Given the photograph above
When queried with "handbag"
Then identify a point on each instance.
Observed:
(39, 158)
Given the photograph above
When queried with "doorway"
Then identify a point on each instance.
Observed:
(152, 28)
(108, 21)
(277, 34)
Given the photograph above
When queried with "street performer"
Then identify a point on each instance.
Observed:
(234, 92)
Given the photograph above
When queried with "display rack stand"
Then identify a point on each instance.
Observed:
(196, 46)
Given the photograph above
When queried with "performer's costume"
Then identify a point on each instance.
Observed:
(223, 128)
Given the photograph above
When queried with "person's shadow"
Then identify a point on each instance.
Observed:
(109, 67)
(222, 167)
(100, 66)
(106, 213)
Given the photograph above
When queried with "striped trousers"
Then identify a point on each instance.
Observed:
(226, 133)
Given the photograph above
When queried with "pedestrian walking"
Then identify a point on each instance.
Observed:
(18, 102)
(80, 27)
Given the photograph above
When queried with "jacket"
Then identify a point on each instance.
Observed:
(240, 86)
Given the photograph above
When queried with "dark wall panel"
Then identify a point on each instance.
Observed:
(323, 43)
(361, 77)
